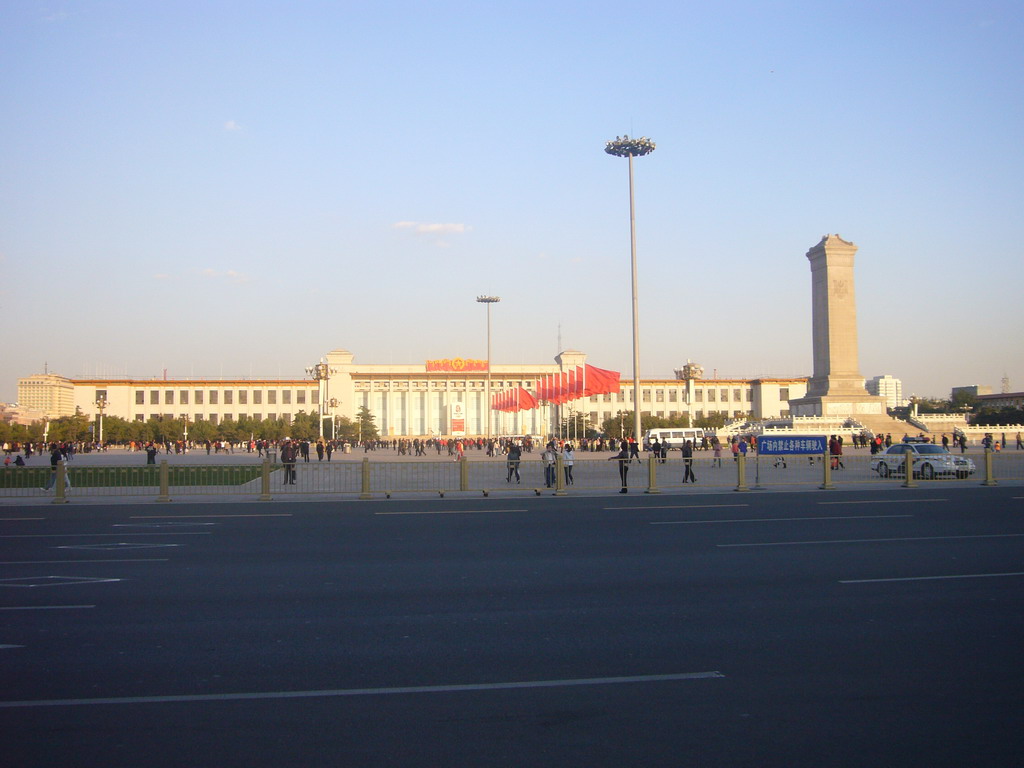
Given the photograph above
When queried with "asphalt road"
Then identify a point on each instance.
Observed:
(785, 629)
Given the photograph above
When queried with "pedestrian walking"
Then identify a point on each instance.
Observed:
(288, 459)
(623, 458)
(515, 454)
(688, 462)
(567, 461)
(548, 457)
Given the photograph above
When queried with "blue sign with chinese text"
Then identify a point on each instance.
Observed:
(792, 444)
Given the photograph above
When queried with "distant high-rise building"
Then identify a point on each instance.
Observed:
(888, 387)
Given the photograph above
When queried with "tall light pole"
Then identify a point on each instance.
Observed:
(488, 300)
(101, 404)
(627, 147)
(319, 373)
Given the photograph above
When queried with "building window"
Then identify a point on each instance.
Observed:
(724, 395)
(711, 396)
(228, 416)
(272, 397)
(243, 397)
(140, 397)
(257, 397)
(169, 397)
(213, 398)
(646, 395)
(736, 396)
(272, 416)
(659, 395)
(673, 395)
(750, 395)
(784, 394)
(213, 416)
(229, 397)
(286, 397)
(140, 417)
(300, 397)
(258, 416)
(154, 397)
(154, 416)
(199, 397)
(183, 397)
(101, 394)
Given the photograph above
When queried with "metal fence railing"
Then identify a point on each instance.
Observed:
(367, 478)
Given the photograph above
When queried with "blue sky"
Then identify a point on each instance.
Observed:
(235, 188)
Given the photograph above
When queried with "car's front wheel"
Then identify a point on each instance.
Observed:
(928, 472)
(883, 469)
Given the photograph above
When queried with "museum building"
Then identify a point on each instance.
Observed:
(435, 398)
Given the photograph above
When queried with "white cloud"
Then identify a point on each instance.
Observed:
(161, 276)
(231, 275)
(423, 228)
(231, 125)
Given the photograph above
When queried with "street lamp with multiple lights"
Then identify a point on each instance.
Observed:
(320, 374)
(488, 300)
(101, 404)
(627, 147)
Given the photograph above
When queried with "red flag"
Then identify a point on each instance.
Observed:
(526, 400)
(600, 381)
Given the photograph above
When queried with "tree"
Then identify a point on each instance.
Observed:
(367, 429)
(710, 421)
(305, 426)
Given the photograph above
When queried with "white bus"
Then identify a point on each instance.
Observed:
(674, 437)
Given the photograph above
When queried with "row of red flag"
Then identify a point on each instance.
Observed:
(583, 381)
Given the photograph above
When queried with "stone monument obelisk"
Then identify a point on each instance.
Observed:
(837, 388)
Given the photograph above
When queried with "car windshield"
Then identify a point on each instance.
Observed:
(930, 449)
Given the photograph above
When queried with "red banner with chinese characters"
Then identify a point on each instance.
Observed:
(457, 365)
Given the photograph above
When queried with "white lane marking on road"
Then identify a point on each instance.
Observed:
(11, 646)
(163, 524)
(450, 512)
(52, 581)
(777, 519)
(932, 578)
(44, 607)
(184, 517)
(120, 545)
(686, 506)
(82, 562)
(93, 535)
(869, 541)
(256, 695)
(12, 519)
(884, 501)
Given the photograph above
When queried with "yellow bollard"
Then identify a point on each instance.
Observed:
(265, 480)
(365, 494)
(464, 474)
(908, 470)
(989, 470)
(165, 482)
(826, 462)
(741, 472)
(652, 475)
(62, 473)
(559, 476)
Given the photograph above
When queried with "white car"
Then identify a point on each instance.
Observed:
(929, 461)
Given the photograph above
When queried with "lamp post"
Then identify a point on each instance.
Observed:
(488, 300)
(627, 147)
(319, 373)
(101, 404)
(332, 404)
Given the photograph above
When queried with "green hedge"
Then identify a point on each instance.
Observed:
(131, 477)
